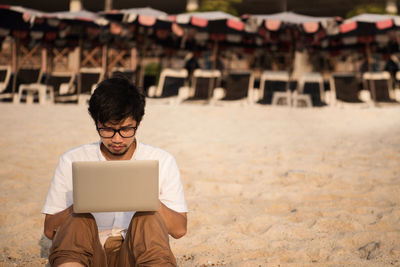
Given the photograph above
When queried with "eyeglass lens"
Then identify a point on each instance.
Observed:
(123, 132)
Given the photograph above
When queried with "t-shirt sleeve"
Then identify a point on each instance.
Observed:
(59, 196)
(171, 189)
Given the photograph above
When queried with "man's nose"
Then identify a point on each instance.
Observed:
(117, 137)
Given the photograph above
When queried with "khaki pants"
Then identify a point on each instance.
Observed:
(146, 243)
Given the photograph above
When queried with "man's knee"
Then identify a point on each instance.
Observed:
(80, 222)
(86, 218)
(147, 241)
(75, 240)
(70, 264)
(148, 216)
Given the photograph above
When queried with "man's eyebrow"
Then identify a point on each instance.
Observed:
(131, 124)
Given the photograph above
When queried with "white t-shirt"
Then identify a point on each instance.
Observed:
(59, 196)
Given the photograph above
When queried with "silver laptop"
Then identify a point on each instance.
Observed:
(122, 185)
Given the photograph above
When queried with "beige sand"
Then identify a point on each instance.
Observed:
(265, 186)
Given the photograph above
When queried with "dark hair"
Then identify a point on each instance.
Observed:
(116, 99)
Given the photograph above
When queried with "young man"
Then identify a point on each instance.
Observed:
(115, 238)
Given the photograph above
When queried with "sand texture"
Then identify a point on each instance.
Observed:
(266, 186)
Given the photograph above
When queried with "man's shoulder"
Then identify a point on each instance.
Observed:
(146, 151)
(82, 152)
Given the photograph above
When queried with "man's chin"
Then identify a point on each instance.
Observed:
(117, 152)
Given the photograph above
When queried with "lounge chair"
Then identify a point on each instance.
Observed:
(238, 85)
(397, 88)
(26, 81)
(382, 90)
(5, 85)
(274, 88)
(170, 82)
(203, 84)
(344, 87)
(62, 84)
(58, 87)
(88, 78)
(310, 90)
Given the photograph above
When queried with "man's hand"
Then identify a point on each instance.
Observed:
(51, 222)
(176, 222)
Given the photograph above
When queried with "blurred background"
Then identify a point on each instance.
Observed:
(266, 51)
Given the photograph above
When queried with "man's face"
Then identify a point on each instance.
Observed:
(118, 145)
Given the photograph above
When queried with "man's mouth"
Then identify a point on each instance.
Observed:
(117, 148)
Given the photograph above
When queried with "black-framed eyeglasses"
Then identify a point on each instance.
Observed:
(125, 132)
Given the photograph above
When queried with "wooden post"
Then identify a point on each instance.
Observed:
(292, 55)
(78, 50)
(139, 76)
(108, 5)
(214, 57)
(44, 60)
(133, 60)
(192, 5)
(75, 5)
(104, 59)
(284, 5)
(74, 56)
(14, 65)
(140, 68)
(369, 63)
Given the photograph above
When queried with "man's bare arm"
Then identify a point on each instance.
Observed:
(52, 221)
(176, 222)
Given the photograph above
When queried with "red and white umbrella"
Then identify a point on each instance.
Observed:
(78, 16)
(295, 24)
(368, 28)
(27, 24)
(308, 24)
(145, 16)
(213, 25)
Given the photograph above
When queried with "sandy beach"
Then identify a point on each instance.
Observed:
(266, 186)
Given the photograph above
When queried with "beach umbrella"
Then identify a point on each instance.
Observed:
(369, 24)
(292, 33)
(52, 29)
(27, 27)
(86, 30)
(20, 21)
(138, 24)
(292, 27)
(79, 25)
(365, 29)
(82, 16)
(24, 24)
(18, 17)
(214, 26)
(144, 18)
